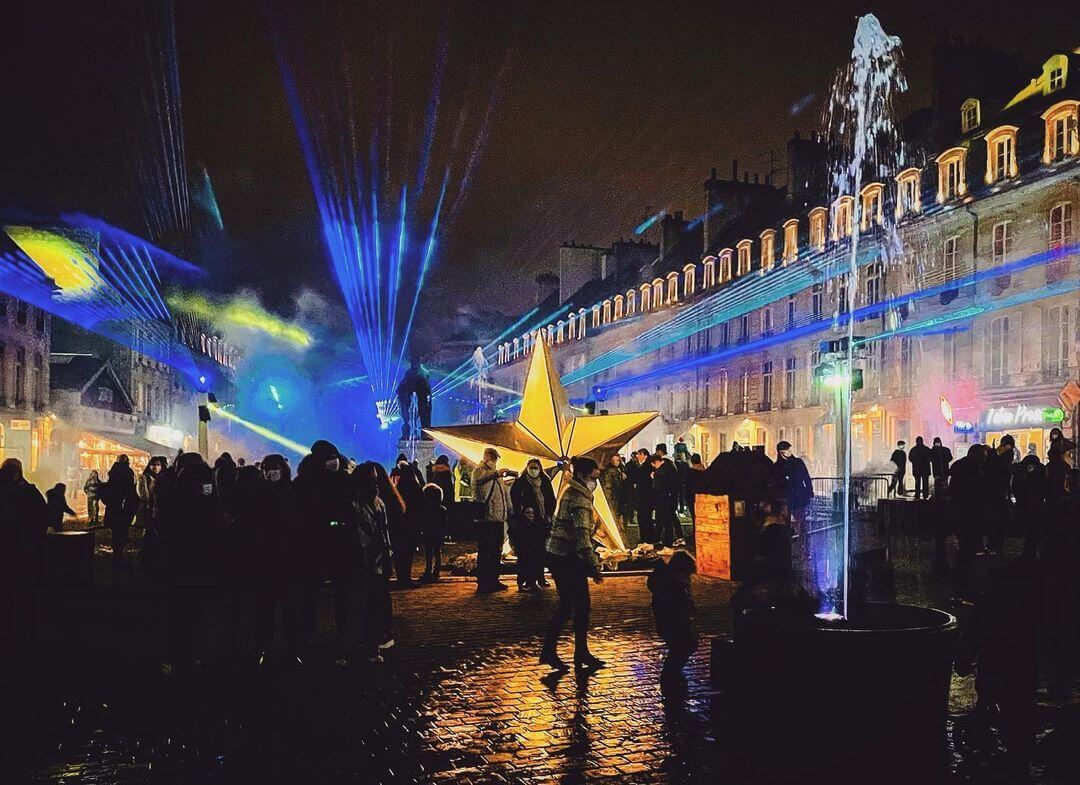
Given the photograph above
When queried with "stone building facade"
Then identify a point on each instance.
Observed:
(967, 298)
(25, 424)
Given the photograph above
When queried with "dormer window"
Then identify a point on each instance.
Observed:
(725, 265)
(672, 287)
(791, 240)
(596, 315)
(743, 248)
(1056, 75)
(842, 210)
(908, 192)
(768, 249)
(952, 182)
(689, 279)
(708, 272)
(560, 331)
(1001, 154)
(1062, 138)
(618, 306)
(872, 197)
(631, 297)
(970, 115)
(607, 311)
(645, 289)
(817, 227)
(657, 293)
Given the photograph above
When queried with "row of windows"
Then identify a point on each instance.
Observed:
(25, 384)
(22, 313)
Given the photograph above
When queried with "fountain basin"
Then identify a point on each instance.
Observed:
(861, 699)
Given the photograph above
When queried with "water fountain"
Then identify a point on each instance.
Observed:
(861, 689)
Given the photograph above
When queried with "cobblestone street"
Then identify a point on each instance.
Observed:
(459, 699)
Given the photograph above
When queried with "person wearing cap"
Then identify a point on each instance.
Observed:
(899, 460)
(793, 479)
(490, 490)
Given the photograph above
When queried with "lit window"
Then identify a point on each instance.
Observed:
(951, 174)
(908, 192)
(1056, 77)
(949, 256)
(607, 311)
(689, 280)
(875, 283)
(1062, 138)
(596, 315)
(560, 326)
(1001, 154)
(842, 210)
(645, 289)
(1061, 225)
(817, 227)
(871, 196)
(725, 265)
(768, 249)
(791, 240)
(631, 301)
(744, 257)
(969, 115)
(581, 323)
(1002, 241)
(673, 287)
(657, 293)
(708, 272)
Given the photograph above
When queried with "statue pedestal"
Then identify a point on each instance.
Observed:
(420, 450)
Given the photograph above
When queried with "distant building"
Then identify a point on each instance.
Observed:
(25, 424)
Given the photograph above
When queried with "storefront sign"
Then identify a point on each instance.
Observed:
(712, 535)
(964, 426)
(1021, 415)
(20, 425)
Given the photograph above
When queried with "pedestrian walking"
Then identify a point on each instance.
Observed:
(792, 479)
(665, 491)
(533, 500)
(682, 470)
(899, 461)
(121, 502)
(489, 488)
(573, 562)
(920, 457)
(433, 531)
(406, 536)
(941, 458)
(93, 502)
(673, 613)
(57, 506)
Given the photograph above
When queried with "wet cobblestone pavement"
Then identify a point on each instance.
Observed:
(459, 699)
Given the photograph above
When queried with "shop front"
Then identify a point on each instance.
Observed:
(1029, 425)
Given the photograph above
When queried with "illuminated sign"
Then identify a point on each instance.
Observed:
(946, 410)
(1021, 415)
(964, 426)
(20, 425)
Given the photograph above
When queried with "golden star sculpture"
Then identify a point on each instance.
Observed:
(546, 429)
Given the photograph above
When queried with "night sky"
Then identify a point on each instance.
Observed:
(598, 115)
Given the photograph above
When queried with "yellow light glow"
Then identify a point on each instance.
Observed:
(266, 433)
(70, 264)
(243, 314)
(547, 429)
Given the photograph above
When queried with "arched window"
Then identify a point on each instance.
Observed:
(1062, 136)
(908, 192)
(581, 323)
(725, 265)
(516, 347)
(618, 306)
(768, 248)
(791, 240)
(672, 287)
(871, 196)
(645, 298)
(689, 279)
(843, 208)
(1001, 153)
(631, 301)
(970, 115)
(952, 176)
(743, 248)
(817, 227)
(560, 332)
(596, 315)
(708, 272)
(657, 293)
(607, 311)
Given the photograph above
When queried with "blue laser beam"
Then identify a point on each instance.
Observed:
(645, 225)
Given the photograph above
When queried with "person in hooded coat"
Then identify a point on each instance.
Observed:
(533, 499)
(407, 535)
(433, 531)
(121, 502)
(442, 475)
(378, 560)
(330, 541)
(23, 526)
(276, 573)
(1029, 487)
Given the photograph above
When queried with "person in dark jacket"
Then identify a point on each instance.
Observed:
(693, 479)
(324, 498)
(406, 537)
(121, 502)
(920, 456)
(1029, 487)
(682, 469)
(533, 500)
(1057, 465)
(665, 492)
(966, 490)
(442, 475)
(997, 496)
(433, 531)
(573, 562)
(23, 526)
(56, 502)
(673, 612)
(899, 461)
(639, 473)
(940, 459)
(793, 481)
(93, 503)
(375, 536)
(613, 484)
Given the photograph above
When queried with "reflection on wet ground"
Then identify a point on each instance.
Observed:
(459, 699)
